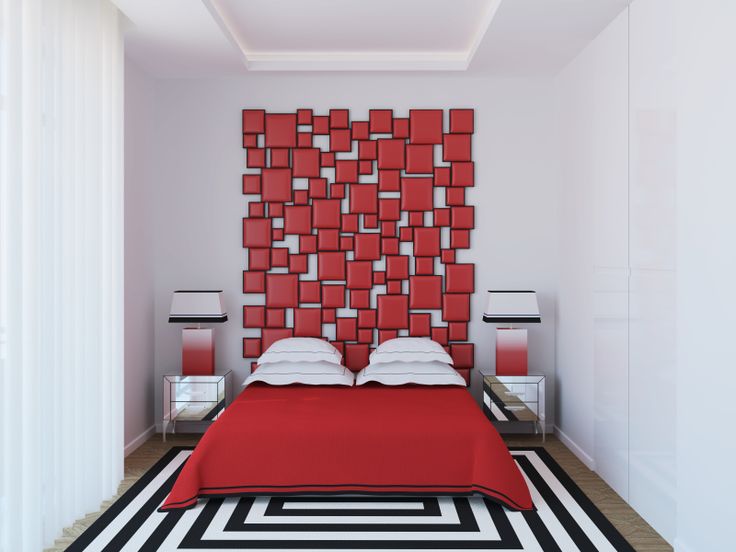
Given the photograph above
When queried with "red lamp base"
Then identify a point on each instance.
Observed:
(511, 352)
(198, 352)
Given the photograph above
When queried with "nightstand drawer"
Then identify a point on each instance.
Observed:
(516, 392)
(510, 411)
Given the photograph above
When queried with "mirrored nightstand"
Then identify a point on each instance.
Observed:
(515, 399)
(193, 398)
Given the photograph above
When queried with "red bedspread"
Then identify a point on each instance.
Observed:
(370, 439)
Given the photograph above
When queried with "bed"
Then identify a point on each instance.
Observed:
(368, 439)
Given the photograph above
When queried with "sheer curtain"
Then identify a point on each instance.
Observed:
(61, 265)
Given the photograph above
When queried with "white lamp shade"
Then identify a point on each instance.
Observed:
(512, 307)
(197, 306)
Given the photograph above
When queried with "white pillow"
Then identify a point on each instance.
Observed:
(409, 349)
(307, 373)
(300, 349)
(400, 373)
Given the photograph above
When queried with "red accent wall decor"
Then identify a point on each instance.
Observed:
(354, 229)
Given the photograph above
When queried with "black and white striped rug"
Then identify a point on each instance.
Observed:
(565, 519)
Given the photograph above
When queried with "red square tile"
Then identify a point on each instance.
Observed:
(326, 213)
(347, 243)
(367, 149)
(282, 290)
(329, 316)
(251, 183)
(360, 298)
(439, 335)
(340, 346)
(318, 188)
(456, 147)
(365, 335)
(328, 239)
(254, 316)
(347, 329)
(424, 266)
(381, 121)
(306, 162)
(394, 287)
(251, 347)
(259, 259)
(298, 264)
(370, 221)
(304, 116)
(256, 209)
(389, 180)
(304, 140)
(365, 167)
(277, 234)
(253, 121)
(441, 217)
(346, 171)
(425, 126)
(379, 278)
(463, 355)
(360, 274)
(254, 282)
(275, 210)
(406, 234)
(417, 194)
(461, 120)
(327, 159)
(308, 322)
(367, 318)
(256, 158)
(420, 159)
(321, 124)
(455, 196)
(390, 153)
(349, 223)
(459, 278)
(425, 292)
(447, 256)
(256, 232)
(297, 219)
(270, 335)
(460, 239)
(307, 244)
(280, 130)
(401, 128)
(397, 267)
(462, 174)
(301, 197)
(333, 296)
(337, 191)
(385, 335)
(416, 218)
(364, 198)
(388, 227)
(356, 356)
(340, 140)
(393, 312)
(276, 185)
(390, 246)
(419, 324)
(367, 247)
(389, 209)
(250, 140)
(463, 217)
(280, 256)
(456, 307)
(309, 292)
(280, 157)
(339, 118)
(426, 242)
(275, 318)
(360, 130)
(331, 265)
(442, 176)
(457, 331)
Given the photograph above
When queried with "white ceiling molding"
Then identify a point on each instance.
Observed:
(363, 59)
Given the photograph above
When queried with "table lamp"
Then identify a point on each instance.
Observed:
(511, 307)
(198, 344)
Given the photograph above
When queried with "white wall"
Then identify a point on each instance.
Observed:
(198, 204)
(139, 269)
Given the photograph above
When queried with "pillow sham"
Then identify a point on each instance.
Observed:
(401, 373)
(409, 349)
(307, 373)
(300, 349)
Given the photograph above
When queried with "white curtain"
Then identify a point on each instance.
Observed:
(61, 265)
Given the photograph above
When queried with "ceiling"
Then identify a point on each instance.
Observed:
(211, 38)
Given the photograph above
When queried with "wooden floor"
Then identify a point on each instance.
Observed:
(641, 536)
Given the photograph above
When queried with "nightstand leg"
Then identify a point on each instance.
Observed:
(165, 424)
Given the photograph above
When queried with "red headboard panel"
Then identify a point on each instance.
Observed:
(354, 229)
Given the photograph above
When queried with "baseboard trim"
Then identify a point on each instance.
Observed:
(138, 441)
(583, 456)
